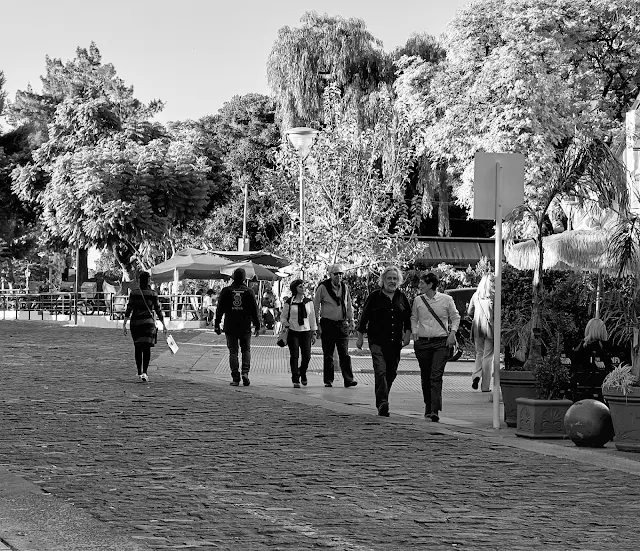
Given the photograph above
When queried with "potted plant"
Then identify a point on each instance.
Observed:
(621, 391)
(543, 416)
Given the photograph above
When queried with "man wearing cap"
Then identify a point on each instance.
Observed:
(238, 305)
(334, 309)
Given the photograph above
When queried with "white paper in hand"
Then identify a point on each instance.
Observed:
(172, 344)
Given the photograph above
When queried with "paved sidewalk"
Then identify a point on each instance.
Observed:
(92, 459)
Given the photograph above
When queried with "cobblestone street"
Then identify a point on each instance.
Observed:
(196, 464)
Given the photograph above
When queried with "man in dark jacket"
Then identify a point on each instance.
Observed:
(238, 305)
(386, 319)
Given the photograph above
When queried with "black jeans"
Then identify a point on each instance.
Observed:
(335, 334)
(432, 357)
(385, 369)
(244, 341)
(299, 343)
(143, 356)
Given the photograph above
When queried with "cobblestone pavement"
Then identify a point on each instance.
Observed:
(177, 464)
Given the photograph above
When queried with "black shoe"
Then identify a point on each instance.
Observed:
(350, 383)
(245, 380)
(434, 417)
(303, 380)
(235, 383)
(383, 410)
(474, 385)
(427, 411)
(328, 385)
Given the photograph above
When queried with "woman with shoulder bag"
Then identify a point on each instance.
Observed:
(298, 315)
(140, 307)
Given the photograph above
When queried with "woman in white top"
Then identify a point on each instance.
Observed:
(299, 316)
(481, 308)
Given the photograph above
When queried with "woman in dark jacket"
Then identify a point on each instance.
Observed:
(140, 307)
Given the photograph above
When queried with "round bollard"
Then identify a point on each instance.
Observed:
(588, 423)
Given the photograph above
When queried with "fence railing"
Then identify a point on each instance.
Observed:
(36, 305)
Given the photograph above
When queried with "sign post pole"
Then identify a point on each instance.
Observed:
(497, 304)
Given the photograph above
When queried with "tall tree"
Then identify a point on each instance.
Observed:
(104, 175)
(324, 49)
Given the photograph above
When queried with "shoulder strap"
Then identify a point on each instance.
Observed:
(424, 299)
(144, 299)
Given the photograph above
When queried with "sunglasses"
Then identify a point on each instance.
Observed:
(337, 273)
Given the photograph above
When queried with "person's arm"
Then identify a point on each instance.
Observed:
(158, 310)
(349, 306)
(454, 320)
(406, 320)
(415, 319)
(254, 311)
(317, 302)
(313, 325)
(127, 314)
(221, 308)
(472, 305)
(363, 324)
(284, 317)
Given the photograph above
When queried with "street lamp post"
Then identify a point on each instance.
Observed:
(302, 139)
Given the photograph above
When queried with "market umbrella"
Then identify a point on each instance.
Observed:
(252, 269)
(192, 266)
(264, 258)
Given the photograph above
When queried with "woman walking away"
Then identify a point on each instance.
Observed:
(299, 316)
(143, 301)
(481, 308)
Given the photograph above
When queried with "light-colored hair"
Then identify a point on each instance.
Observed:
(595, 330)
(388, 269)
(335, 268)
(486, 287)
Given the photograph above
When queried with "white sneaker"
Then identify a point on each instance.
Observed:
(144, 378)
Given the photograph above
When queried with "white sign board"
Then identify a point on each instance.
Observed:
(485, 177)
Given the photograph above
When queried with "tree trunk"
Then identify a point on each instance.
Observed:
(444, 226)
(535, 339)
(124, 254)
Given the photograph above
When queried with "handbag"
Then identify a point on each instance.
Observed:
(284, 331)
(454, 351)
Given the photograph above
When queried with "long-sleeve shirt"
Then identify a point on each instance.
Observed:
(238, 305)
(423, 324)
(328, 308)
(385, 319)
(289, 316)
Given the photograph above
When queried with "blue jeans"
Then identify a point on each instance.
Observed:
(432, 357)
(335, 334)
(299, 343)
(244, 342)
(385, 369)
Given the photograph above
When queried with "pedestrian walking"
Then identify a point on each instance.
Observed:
(142, 304)
(481, 309)
(386, 320)
(237, 303)
(434, 323)
(334, 310)
(209, 306)
(298, 315)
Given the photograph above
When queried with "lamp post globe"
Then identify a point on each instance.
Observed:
(302, 140)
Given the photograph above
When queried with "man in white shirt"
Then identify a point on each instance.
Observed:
(434, 323)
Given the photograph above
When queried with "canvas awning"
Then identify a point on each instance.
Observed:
(460, 252)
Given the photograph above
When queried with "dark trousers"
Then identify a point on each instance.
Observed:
(385, 369)
(244, 342)
(299, 343)
(143, 356)
(432, 357)
(335, 334)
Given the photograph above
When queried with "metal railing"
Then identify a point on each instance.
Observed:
(36, 305)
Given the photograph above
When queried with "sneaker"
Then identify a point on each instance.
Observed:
(328, 385)
(140, 377)
(245, 380)
(235, 383)
(434, 417)
(144, 378)
(303, 380)
(474, 385)
(296, 385)
(350, 384)
(383, 410)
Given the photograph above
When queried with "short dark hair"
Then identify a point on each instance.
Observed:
(239, 275)
(293, 286)
(429, 278)
(144, 278)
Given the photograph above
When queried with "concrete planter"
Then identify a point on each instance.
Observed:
(625, 414)
(515, 384)
(541, 418)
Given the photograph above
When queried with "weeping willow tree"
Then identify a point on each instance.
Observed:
(325, 49)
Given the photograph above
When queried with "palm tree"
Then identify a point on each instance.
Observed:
(587, 171)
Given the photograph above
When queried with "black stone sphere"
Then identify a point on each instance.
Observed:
(588, 423)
